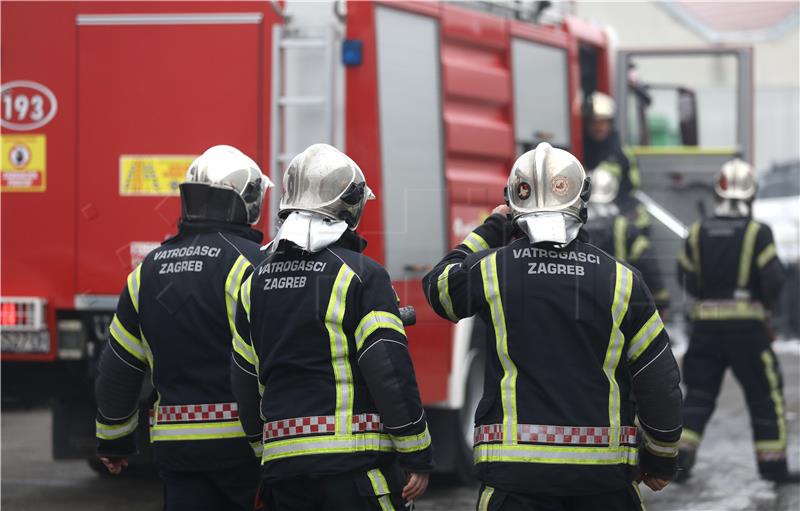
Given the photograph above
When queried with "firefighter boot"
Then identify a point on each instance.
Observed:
(777, 471)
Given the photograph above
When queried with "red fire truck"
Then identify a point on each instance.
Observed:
(104, 104)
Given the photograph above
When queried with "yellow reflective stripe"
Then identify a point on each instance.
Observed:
(243, 348)
(127, 340)
(663, 449)
(327, 445)
(620, 238)
(633, 167)
(134, 281)
(232, 284)
(258, 448)
(775, 394)
(614, 168)
(684, 261)
(766, 255)
(690, 438)
(486, 497)
(645, 336)
(412, 443)
(622, 294)
(642, 217)
(245, 293)
(746, 256)
(375, 320)
(200, 431)
(508, 384)
(475, 242)
(443, 284)
(381, 489)
(722, 311)
(115, 431)
(640, 244)
(694, 244)
(339, 356)
(770, 446)
(638, 494)
(526, 453)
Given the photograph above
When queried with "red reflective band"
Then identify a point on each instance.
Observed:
(196, 413)
(8, 314)
(321, 424)
(565, 435)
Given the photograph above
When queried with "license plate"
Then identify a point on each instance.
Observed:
(25, 342)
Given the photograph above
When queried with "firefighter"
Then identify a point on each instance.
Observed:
(729, 264)
(576, 350)
(175, 319)
(320, 362)
(602, 148)
(614, 233)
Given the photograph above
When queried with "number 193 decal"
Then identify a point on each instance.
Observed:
(26, 105)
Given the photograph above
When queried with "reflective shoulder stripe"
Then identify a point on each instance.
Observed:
(131, 343)
(485, 498)
(113, 432)
(475, 242)
(694, 244)
(746, 255)
(620, 238)
(645, 336)
(508, 384)
(766, 255)
(622, 294)
(243, 348)
(343, 376)
(232, 284)
(776, 395)
(555, 454)
(640, 244)
(662, 449)
(246, 295)
(196, 431)
(412, 443)
(326, 445)
(375, 320)
(134, 281)
(443, 285)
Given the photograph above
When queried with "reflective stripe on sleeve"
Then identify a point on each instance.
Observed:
(375, 320)
(663, 449)
(128, 341)
(766, 255)
(777, 398)
(746, 255)
(327, 445)
(134, 281)
(232, 284)
(508, 384)
(245, 292)
(620, 238)
(412, 443)
(115, 431)
(640, 244)
(338, 342)
(622, 294)
(196, 431)
(475, 242)
(443, 285)
(689, 439)
(645, 336)
(243, 348)
(488, 453)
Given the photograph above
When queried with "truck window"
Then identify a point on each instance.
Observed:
(410, 102)
(541, 104)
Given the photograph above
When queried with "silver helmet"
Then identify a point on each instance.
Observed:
(547, 180)
(736, 180)
(224, 184)
(601, 106)
(605, 186)
(325, 181)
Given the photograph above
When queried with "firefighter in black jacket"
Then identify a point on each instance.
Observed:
(175, 318)
(576, 351)
(729, 264)
(321, 363)
(614, 233)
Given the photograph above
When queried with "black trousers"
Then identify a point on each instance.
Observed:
(744, 346)
(230, 489)
(493, 499)
(343, 492)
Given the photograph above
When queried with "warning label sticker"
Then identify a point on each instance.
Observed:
(24, 163)
(152, 175)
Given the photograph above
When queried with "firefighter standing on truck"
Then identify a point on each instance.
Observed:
(576, 351)
(320, 354)
(175, 319)
(730, 265)
(610, 231)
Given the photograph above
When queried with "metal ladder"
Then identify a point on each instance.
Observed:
(290, 43)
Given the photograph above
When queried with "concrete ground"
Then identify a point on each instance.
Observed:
(724, 479)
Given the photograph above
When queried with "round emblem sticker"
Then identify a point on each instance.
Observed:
(559, 185)
(523, 191)
(19, 156)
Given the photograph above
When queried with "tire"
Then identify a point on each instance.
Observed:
(464, 468)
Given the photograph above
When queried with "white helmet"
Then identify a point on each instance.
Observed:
(601, 106)
(326, 181)
(605, 186)
(224, 184)
(736, 180)
(548, 180)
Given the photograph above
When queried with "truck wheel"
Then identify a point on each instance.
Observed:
(473, 392)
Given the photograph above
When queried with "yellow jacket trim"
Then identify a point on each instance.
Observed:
(134, 281)
(412, 443)
(776, 395)
(766, 255)
(127, 340)
(443, 285)
(475, 242)
(115, 431)
(645, 336)
(620, 238)
(622, 294)
(327, 445)
(232, 284)
(375, 320)
(197, 431)
(523, 453)
(746, 255)
(339, 349)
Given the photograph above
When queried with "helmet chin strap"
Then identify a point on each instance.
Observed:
(552, 227)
